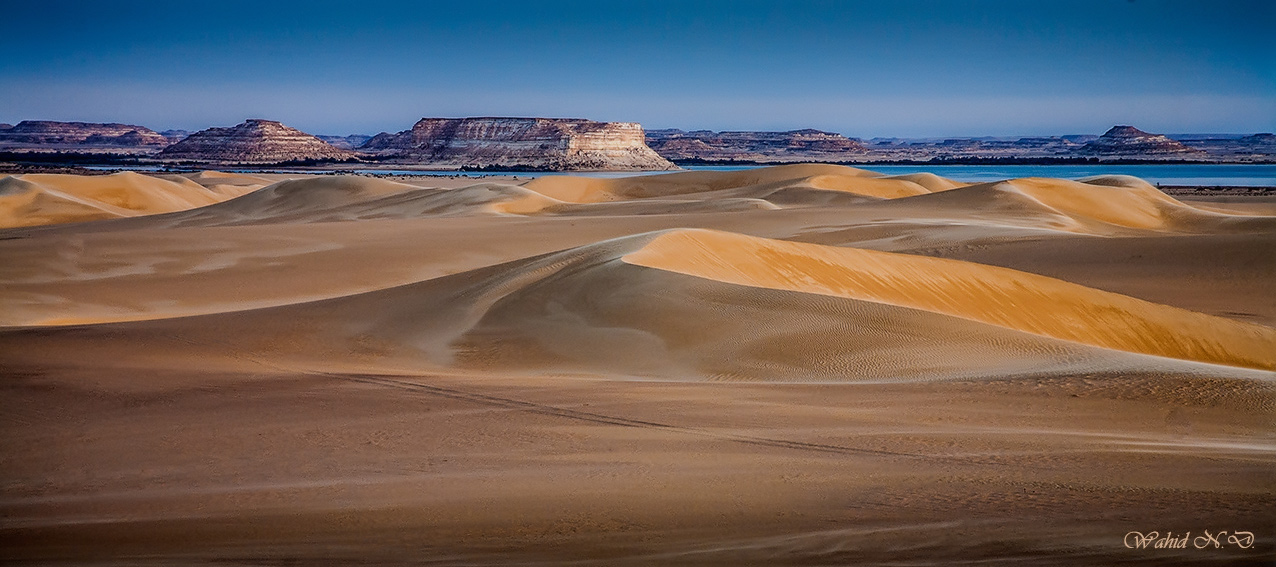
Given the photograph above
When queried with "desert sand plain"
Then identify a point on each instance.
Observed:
(803, 364)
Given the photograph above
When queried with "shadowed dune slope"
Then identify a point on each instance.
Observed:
(350, 198)
(286, 233)
(37, 199)
(698, 304)
(817, 176)
(230, 184)
(1102, 206)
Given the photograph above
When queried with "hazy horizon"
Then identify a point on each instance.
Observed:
(906, 69)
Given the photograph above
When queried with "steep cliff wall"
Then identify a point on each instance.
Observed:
(254, 141)
(535, 143)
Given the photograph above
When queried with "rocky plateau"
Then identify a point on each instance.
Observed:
(761, 147)
(519, 143)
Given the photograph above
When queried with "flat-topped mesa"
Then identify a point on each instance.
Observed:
(765, 147)
(35, 133)
(254, 141)
(1128, 140)
(556, 144)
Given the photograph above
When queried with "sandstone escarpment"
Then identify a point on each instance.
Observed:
(516, 143)
(254, 141)
(67, 135)
(767, 147)
(1128, 140)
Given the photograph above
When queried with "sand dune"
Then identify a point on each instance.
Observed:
(804, 364)
(347, 198)
(230, 184)
(135, 275)
(1090, 208)
(36, 199)
(1009, 299)
(586, 310)
(822, 177)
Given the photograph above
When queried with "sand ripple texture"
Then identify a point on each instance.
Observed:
(794, 365)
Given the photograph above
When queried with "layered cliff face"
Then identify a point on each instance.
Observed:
(1128, 140)
(66, 135)
(769, 147)
(532, 143)
(254, 141)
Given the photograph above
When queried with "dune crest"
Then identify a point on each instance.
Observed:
(594, 190)
(349, 198)
(998, 296)
(36, 199)
(1108, 206)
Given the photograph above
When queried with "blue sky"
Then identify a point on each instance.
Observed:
(882, 68)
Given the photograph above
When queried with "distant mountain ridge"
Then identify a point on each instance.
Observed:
(553, 144)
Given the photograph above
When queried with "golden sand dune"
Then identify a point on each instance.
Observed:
(128, 275)
(792, 365)
(822, 177)
(662, 206)
(223, 178)
(752, 309)
(1006, 298)
(230, 184)
(298, 197)
(346, 198)
(931, 182)
(1103, 206)
(36, 199)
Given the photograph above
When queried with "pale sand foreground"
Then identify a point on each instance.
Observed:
(793, 365)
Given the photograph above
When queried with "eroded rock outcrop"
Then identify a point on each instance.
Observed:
(763, 147)
(254, 141)
(1130, 141)
(520, 143)
(67, 135)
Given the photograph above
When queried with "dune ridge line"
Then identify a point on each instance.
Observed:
(999, 296)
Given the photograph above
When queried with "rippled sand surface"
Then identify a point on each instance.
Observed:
(795, 365)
